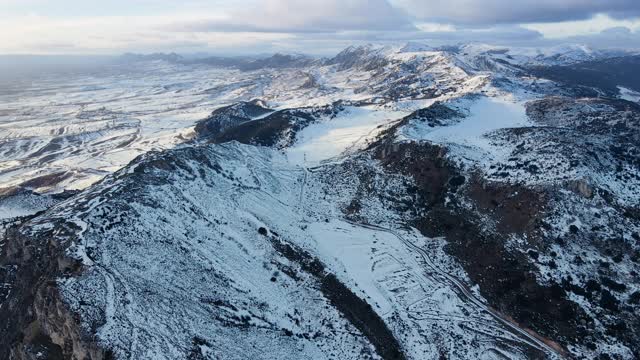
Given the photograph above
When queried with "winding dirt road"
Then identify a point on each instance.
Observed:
(463, 291)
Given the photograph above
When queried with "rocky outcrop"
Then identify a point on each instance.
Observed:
(539, 251)
(602, 74)
(229, 116)
(278, 129)
(37, 323)
(366, 58)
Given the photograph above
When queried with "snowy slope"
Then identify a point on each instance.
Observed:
(390, 202)
(69, 132)
(173, 258)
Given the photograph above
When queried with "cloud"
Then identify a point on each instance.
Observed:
(116, 34)
(591, 26)
(307, 16)
(475, 12)
(326, 44)
(313, 26)
(613, 38)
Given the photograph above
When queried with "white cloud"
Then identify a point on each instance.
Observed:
(226, 26)
(305, 16)
(435, 27)
(114, 34)
(591, 26)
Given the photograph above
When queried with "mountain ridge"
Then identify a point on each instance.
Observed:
(402, 205)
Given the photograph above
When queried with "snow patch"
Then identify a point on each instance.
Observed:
(468, 137)
(628, 94)
(345, 133)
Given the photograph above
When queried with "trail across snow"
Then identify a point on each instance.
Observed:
(485, 116)
(463, 291)
(350, 246)
(346, 132)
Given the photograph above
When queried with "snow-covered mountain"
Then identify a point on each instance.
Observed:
(391, 202)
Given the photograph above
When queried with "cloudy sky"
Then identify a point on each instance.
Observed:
(311, 26)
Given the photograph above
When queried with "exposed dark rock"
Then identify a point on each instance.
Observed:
(613, 285)
(506, 278)
(277, 61)
(35, 318)
(354, 309)
(605, 75)
(228, 117)
(360, 57)
(278, 129)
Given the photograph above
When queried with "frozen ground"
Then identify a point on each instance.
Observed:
(197, 253)
(628, 94)
(468, 137)
(180, 248)
(23, 204)
(337, 136)
(68, 132)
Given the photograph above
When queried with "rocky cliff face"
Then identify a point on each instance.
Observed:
(38, 321)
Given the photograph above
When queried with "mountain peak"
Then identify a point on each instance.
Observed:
(413, 46)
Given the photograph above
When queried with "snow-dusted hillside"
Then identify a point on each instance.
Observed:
(399, 202)
(67, 132)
